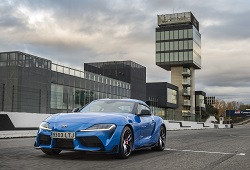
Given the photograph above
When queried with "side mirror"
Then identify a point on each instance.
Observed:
(77, 109)
(145, 112)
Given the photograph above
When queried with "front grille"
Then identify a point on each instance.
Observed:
(64, 143)
(91, 141)
(44, 139)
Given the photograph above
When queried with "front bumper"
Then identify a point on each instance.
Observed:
(91, 141)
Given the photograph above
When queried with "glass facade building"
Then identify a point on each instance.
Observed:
(178, 49)
(178, 43)
(126, 71)
(162, 97)
(200, 104)
(32, 84)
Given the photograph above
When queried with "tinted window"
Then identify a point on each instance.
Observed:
(142, 107)
(109, 106)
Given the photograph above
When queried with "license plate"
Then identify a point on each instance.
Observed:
(65, 135)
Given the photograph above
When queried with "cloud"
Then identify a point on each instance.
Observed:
(73, 32)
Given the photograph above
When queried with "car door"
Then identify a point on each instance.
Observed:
(147, 124)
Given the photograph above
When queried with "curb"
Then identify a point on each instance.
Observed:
(17, 134)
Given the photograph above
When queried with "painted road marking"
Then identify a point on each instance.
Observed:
(222, 153)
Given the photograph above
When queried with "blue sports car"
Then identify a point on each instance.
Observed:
(117, 126)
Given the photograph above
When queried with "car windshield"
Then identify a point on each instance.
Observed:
(109, 106)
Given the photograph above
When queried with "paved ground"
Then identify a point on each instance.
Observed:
(17, 133)
(188, 149)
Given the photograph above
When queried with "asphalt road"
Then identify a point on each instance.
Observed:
(188, 149)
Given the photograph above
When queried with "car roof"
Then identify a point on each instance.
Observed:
(127, 100)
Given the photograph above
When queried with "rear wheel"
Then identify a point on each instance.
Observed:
(126, 143)
(51, 151)
(161, 140)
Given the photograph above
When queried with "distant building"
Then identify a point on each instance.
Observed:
(200, 101)
(210, 100)
(32, 84)
(178, 49)
(126, 71)
(162, 97)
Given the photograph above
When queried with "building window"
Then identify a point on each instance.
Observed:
(4, 57)
(171, 46)
(158, 36)
(166, 46)
(171, 96)
(176, 45)
(162, 35)
(158, 47)
(60, 69)
(185, 45)
(181, 56)
(181, 45)
(176, 36)
(190, 44)
(185, 33)
(158, 57)
(162, 57)
(185, 56)
(162, 46)
(190, 55)
(190, 33)
(166, 35)
(181, 32)
(66, 70)
(171, 57)
(166, 57)
(171, 35)
(197, 48)
(54, 67)
(196, 36)
(176, 56)
(200, 100)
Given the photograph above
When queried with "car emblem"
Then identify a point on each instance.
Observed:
(64, 126)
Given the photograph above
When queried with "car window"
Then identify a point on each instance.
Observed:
(112, 106)
(142, 107)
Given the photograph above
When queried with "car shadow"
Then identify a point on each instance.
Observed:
(78, 155)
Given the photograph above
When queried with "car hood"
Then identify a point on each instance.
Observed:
(90, 118)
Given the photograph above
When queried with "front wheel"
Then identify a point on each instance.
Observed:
(161, 140)
(51, 151)
(126, 143)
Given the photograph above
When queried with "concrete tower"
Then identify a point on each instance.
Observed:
(178, 49)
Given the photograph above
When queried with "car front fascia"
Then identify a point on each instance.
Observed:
(110, 140)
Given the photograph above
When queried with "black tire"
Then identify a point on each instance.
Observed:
(126, 143)
(51, 151)
(161, 144)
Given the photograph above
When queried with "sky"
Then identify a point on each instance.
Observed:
(74, 32)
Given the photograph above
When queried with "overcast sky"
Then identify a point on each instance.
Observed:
(72, 32)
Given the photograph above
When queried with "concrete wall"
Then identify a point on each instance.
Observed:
(20, 120)
(187, 125)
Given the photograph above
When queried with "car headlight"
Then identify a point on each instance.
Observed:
(44, 126)
(101, 127)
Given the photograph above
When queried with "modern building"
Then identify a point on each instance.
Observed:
(200, 103)
(178, 49)
(126, 71)
(32, 84)
(210, 100)
(162, 97)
